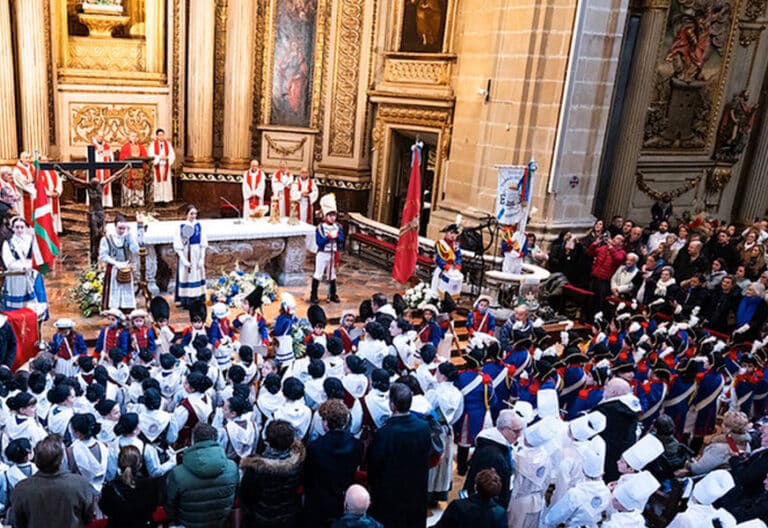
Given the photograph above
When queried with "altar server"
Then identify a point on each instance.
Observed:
(162, 151)
(103, 154)
(189, 243)
(116, 250)
(304, 191)
(329, 237)
(253, 188)
(24, 183)
(21, 291)
(53, 188)
(282, 180)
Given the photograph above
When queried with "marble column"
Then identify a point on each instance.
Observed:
(154, 25)
(638, 96)
(9, 149)
(238, 83)
(33, 75)
(754, 199)
(200, 41)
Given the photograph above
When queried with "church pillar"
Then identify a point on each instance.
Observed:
(33, 75)
(200, 42)
(638, 96)
(155, 34)
(754, 199)
(9, 149)
(238, 85)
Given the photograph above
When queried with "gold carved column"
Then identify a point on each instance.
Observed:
(9, 149)
(33, 75)
(155, 34)
(238, 85)
(639, 91)
(200, 47)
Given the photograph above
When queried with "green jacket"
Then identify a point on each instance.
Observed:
(201, 491)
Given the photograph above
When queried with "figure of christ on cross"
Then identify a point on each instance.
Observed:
(94, 187)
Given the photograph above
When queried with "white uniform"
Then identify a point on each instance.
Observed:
(163, 184)
(532, 472)
(581, 505)
(513, 259)
(445, 396)
(633, 519)
(696, 516)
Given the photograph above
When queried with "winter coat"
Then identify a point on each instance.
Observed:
(269, 491)
(332, 460)
(492, 451)
(351, 520)
(128, 507)
(200, 492)
(474, 511)
(620, 433)
(720, 308)
(73, 507)
(607, 260)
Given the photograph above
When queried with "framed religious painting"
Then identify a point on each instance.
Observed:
(423, 26)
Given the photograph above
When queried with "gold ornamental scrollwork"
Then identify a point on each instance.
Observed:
(176, 89)
(346, 79)
(748, 35)
(113, 121)
(718, 178)
(282, 150)
(666, 196)
(219, 59)
(415, 72)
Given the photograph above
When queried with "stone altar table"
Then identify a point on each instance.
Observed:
(278, 249)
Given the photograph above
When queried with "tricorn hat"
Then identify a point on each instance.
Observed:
(254, 298)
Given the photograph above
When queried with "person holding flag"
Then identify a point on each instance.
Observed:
(53, 189)
(448, 260)
(24, 183)
(330, 239)
(408, 242)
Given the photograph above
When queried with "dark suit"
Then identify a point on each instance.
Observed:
(329, 470)
(398, 470)
(474, 511)
(490, 454)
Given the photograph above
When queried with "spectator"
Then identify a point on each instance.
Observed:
(719, 246)
(535, 255)
(731, 441)
(751, 312)
(480, 509)
(399, 464)
(567, 256)
(722, 305)
(494, 451)
(754, 266)
(75, 498)
(658, 237)
(521, 323)
(691, 261)
(623, 280)
(675, 455)
(694, 294)
(716, 273)
(608, 257)
(129, 501)
(332, 460)
(626, 228)
(744, 247)
(634, 243)
(740, 278)
(596, 232)
(201, 490)
(269, 490)
(749, 475)
(681, 241)
(356, 504)
(661, 292)
(617, 223)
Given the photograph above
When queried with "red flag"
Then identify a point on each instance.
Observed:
(45, 245)
(408, 242)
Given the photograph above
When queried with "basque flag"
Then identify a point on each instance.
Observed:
(45, 245)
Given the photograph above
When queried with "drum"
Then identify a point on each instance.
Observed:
(124, 275)
(450, 282)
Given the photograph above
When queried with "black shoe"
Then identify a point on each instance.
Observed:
(333, 297)
(313, 295)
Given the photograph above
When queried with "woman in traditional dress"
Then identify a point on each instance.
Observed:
(194, 408)
(449, 400)
(189, 243)
(19, 291)
(62, 399)
(87, 456)
(23, 421)
(128, 432)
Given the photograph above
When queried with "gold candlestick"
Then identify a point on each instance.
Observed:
(274, 210)
(294, 218)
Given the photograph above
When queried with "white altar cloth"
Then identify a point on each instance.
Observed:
(217, 229)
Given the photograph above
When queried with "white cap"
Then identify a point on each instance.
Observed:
(754, 523)
(428, 306)
(524, 410)
(593, 454)
(114, 312)
(547, 403)
(645, 451)
(542, 431)
(634, 490)
(288, 302)
(220, 310)
(586, 426)
(328, 204)
(138, 312)
(64, 323)
(712, 487)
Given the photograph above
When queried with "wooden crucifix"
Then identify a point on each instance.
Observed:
(93, 186)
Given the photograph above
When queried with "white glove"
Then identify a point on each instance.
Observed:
(696, 310)
(517, 325)
(564, 338)
(719, 346)
(537, 354)
(657, 302)
(598, 316)
(620, 307)
(756, 345)
(600, 337)
(643, 339)
(568, 325)
(673, 329)
(634, 304)
(693, 321)
(741, 329)
(634, 327)
(538, 323)
(678, 309)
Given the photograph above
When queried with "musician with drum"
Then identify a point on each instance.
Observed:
(189, 243)
(116, 250)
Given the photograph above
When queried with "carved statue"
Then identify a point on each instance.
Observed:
(429, 18)
(735, 126)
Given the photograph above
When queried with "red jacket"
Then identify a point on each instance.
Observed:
(607, 260)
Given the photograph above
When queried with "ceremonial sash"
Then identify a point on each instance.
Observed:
(709, 399)
(650, 412)
(501, 376)
(569, 389)
(472, 385)
(684, 396)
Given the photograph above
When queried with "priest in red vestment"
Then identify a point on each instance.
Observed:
(133, 189)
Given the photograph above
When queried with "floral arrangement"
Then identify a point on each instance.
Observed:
(301, 329)
(420, 294)
(87, 294)
(235, 285)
